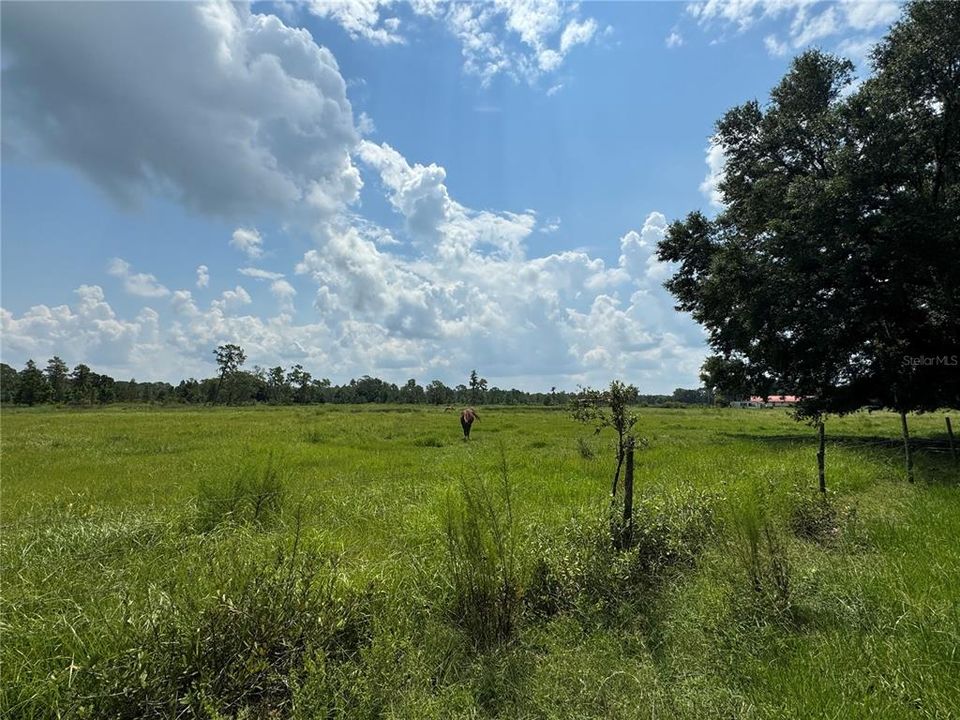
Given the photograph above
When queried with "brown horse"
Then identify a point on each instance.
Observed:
(466, 420)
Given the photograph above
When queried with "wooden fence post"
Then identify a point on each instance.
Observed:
(820, 461)
(628, 499)
(908, 458)
(953, 447)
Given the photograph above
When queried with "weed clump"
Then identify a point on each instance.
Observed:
(761, 552)
(431, 442)
(239, 652)
(252, 497)
(821, 518)
(584, 448)
(483, 565)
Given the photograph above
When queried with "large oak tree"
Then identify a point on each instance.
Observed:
(832, 272)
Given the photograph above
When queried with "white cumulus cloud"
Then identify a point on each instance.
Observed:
(284, 292)
(362, 19)
(520, 38)
(232, 299)
(248, 241)
(139, 284)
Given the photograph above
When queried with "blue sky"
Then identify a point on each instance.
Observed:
(402, 190)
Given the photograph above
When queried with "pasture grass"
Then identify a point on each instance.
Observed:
(367, 562)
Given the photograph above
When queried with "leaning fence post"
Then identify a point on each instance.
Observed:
(628, 498)
(820, 461)
(953, 447)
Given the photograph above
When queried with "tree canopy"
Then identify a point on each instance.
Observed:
(832, 270)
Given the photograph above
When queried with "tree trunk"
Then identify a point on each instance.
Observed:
(216, 396)
(908, 458)
(821, 474)
(953, 447)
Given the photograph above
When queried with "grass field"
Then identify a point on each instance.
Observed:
(365, 562)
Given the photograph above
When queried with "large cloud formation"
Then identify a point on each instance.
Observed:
(227, 111)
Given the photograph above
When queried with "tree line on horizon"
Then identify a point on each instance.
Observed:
(56, 384)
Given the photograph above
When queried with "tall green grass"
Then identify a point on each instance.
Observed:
(483, 565)
(156, 564)
(253, 495)
(760, 548)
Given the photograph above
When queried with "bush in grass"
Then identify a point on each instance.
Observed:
(254, 496)
(483, 567)
(237, 653)
(820, 518)
(583, 569)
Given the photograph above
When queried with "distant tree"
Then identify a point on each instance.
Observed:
(478, 386)
(245, 386)
(374, 390)
(32, 388)
(188, 391)
(412, 393)
(439, 394)
(209, 387)
(56, 373)
(320, 390)
(104, 388)
(230, 358)
(691, 396)
(128, 390)
(277, 383)
(81, 384)
(299, 380)
(9, 382)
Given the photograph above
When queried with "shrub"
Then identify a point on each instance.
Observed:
(253, 497)
(582, 567)
(238, 651)
(820, 518)
(482, 562)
